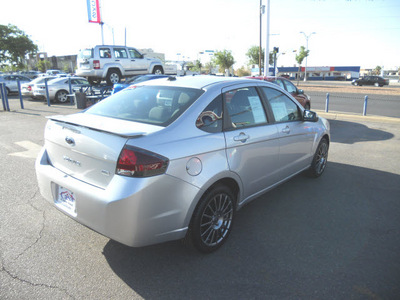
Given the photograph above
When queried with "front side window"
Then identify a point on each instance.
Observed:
(283, 108)
(290, 87)
(134, 53)
(245, 107)
(157, 105)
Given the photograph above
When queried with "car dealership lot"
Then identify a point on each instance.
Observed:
(334, 237)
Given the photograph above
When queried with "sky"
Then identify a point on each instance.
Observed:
(363, 33)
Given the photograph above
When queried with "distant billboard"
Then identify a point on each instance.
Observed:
(93, 7)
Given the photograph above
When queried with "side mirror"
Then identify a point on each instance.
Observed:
(310, 116)
(300, 92)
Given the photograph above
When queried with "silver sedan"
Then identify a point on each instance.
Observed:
(58, 88)
(175, 158)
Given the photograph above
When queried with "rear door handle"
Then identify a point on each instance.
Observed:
(286, 130)
(242, 137)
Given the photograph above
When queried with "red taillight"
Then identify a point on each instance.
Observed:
(96, 64)
(29, 88)
(137, 162)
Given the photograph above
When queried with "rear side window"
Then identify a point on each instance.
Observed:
(210, 119)
(157, 105)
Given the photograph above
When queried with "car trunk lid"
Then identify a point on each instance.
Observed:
(87, 146)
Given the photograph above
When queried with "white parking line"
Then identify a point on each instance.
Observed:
(31, 152)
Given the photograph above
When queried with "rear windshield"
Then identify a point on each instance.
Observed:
(157, 105)
(86, 53)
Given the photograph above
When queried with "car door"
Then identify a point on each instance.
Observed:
(121, 57)
(296, 137)
(139, 64)
(252, 147)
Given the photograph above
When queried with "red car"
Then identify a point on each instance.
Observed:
(288, 86)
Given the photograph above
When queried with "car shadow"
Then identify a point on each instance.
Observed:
(349, 133)
(305, 239)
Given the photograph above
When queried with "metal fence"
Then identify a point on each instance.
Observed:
(91, 93)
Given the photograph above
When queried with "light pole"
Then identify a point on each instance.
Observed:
(307, 37)
(262, 10)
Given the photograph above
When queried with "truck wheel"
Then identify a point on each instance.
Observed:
(113, 76)
(158, 70)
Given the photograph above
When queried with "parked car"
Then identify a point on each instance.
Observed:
(175, 158)
(59, 88)
(288, 86)
(371, 80)
(112, 63)
(11, 82)
(30, 74)
(28, 87)
(134, 80)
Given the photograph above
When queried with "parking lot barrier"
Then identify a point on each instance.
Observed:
(20, 94)
(365, 105)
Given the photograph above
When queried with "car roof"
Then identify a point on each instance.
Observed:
(198, 81)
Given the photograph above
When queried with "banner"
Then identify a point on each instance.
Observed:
(93, 7)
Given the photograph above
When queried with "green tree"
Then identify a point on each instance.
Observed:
(43, 65)
(14, 46)
(377, 70)
(303, 53)
(224, 60)
(253, 54)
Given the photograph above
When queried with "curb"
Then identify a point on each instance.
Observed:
(335, 115)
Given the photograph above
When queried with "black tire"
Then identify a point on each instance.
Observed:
(113, 76)
(61, 96)
(320, 159)
(8, 91)
(158, 70)
(212, 220)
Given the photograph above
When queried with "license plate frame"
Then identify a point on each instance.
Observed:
(66, 200)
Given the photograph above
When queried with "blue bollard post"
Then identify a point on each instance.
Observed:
(3, 100)
(327, 103)
(20, 94)
(365, 105)
(47, 92)
(70, 91)
(4, 92)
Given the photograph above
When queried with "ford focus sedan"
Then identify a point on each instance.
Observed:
(175, 158)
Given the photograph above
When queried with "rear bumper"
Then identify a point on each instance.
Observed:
(133, 211)
(90, 73)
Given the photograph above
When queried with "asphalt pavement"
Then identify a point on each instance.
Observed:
(335, 237)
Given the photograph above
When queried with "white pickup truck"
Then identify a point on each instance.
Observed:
(112, 63)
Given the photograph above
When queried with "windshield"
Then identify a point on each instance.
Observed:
(156, 105)
(85, 53)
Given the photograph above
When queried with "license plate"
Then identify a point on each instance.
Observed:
(66, 201)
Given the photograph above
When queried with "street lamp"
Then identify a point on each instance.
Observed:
(307, 37)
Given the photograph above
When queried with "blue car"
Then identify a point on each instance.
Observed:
(140, 78)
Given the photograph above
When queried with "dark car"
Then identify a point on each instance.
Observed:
(371, 80)
(288, 86)
(133, 80)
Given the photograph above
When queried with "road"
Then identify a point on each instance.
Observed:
(335, 237)
(379, 103)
